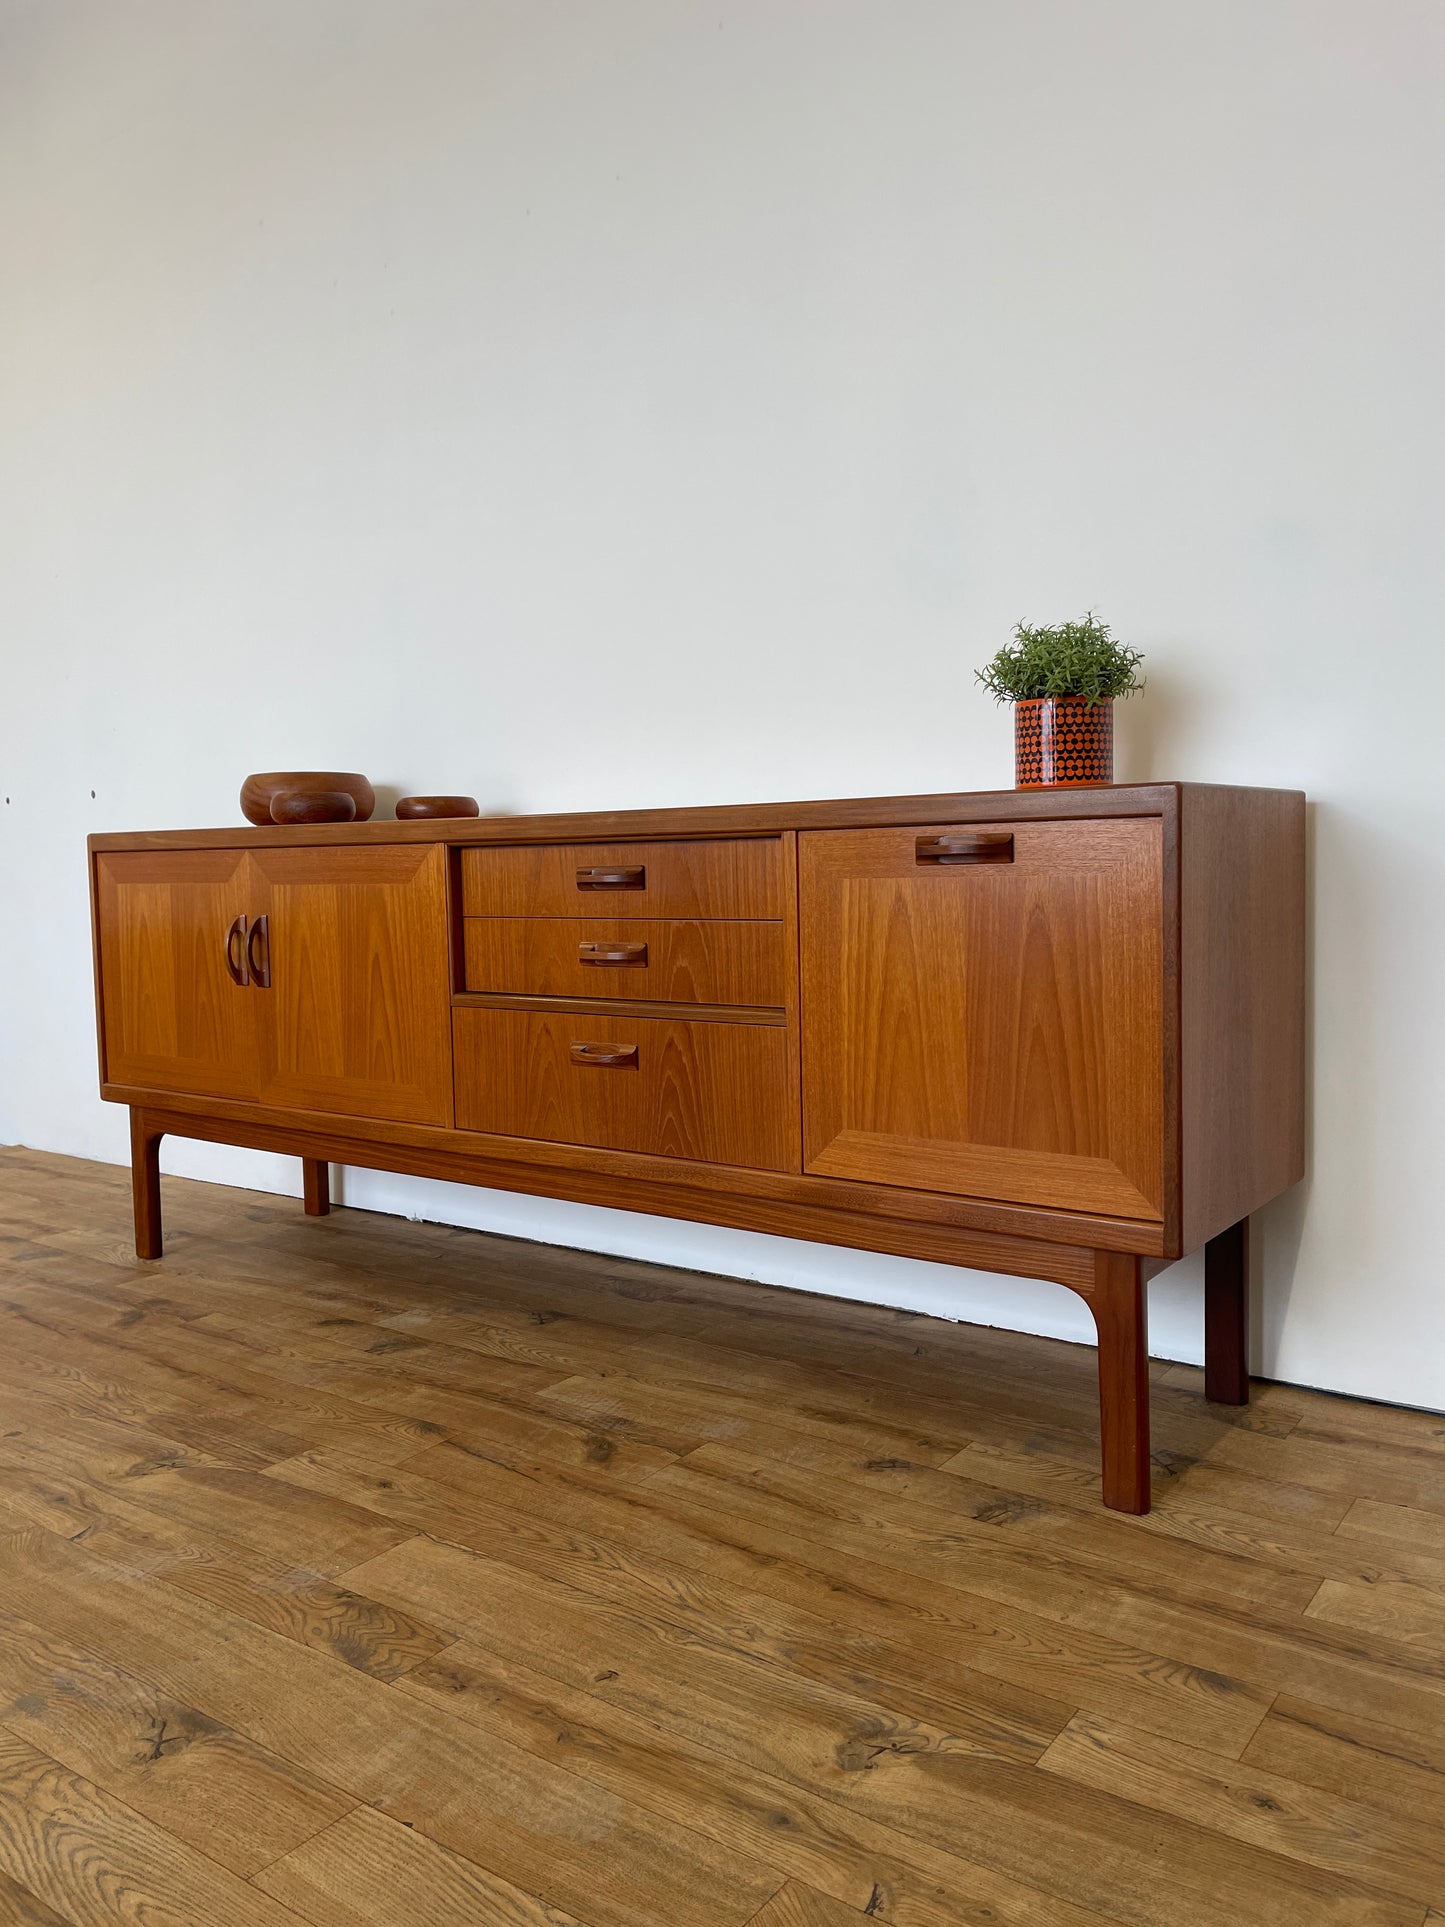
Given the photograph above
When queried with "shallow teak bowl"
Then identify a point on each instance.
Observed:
(313, 806)
(257, 791)
(414, 806)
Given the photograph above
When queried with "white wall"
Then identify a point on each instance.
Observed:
(596, 403)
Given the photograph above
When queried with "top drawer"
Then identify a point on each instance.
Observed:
(737, 877)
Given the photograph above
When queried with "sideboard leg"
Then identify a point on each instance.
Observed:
(1226, 1316)
(316, 1179)
(145, 1183)
(1121, 1311)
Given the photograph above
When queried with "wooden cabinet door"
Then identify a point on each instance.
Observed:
(357, 1015)
(992, 1029)
(174, 1016)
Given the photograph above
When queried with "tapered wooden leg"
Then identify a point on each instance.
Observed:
(1121, 1311)
(316, 1179)
(145, 1182)
(1226, 1316)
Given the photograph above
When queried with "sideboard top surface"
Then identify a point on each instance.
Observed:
(712, 819)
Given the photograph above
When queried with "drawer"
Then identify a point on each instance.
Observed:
(671, 960)
(736, 877)
(719, 1093)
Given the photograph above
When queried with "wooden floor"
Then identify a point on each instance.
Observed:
(362, 1572)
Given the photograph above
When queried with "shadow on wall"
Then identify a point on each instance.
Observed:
(1152, 731)
(1277, 1231)
(1157, 730)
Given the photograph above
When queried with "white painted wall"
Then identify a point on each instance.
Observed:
(631, 402)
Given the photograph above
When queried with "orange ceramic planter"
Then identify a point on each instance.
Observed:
(1061, 742)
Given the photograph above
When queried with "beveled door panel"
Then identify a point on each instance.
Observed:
(677, 960)
(356, 1016)
(177, 1012)
(983, 1010)
(719, 1093)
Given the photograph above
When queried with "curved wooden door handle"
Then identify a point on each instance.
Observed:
(967, 846)
(613, 876)
(604, 1056)
(235, 949)
(258, 953)
(633, 955)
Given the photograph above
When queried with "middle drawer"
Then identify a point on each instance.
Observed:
(672, 960)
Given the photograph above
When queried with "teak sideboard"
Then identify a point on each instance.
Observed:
(1057, 1034)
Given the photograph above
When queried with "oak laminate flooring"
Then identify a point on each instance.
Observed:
(20, 1908)
(1413, 1616)
(1392, 1853)
(96, 1862)
(361, 1632)
(984, 1814)
(485, 1798)
(1359, 1759)
(798, 1906)
(355, 1571)
(1368, 1518)
(370, 1871)
(835, 1582)
(228, 1797)
(660, 1659)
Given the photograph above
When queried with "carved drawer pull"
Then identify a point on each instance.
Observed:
(967, 846)
(235, 948)
(604, 876)
(605, 1056)
(632, 955)
(258, 953)
(613, 877)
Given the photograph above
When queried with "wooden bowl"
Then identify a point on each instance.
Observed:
(313, 806)
(414, 806)
(257, 791)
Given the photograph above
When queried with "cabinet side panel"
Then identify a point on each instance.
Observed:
(1242, 1001)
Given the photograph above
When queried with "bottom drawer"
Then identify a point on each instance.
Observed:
(719, 1093)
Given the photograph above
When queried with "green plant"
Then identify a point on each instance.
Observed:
(1070, 659)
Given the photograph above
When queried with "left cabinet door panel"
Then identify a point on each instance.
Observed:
(175, 1017)
(357, 1016)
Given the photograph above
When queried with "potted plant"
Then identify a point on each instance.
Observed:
(1062, 682)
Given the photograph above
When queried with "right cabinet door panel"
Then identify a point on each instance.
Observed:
(356, 1017)
(992, 1029)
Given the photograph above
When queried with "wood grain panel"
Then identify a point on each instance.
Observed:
(356, 1016)
(993, 1030)
(173, 1017)
(672, 959)
(719, 1092)
(1242, 1001)
(730, 877)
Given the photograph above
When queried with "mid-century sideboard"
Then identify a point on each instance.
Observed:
(1057, 1034)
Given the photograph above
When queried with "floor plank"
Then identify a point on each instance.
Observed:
(228, 1797)
(92, 1859)
(369, 1871)
(800, 1906)
(1359, 1759)
(1388, 1853)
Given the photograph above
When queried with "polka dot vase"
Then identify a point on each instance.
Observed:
(1062, 741)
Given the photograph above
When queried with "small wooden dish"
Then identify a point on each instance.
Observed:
(313, 806)
(257, 791)
(411, 807)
